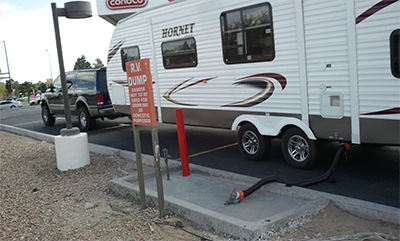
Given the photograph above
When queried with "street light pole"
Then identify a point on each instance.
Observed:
(67, 109)
(76, 9)
(51, 72)
(70, 138)
(8, 69)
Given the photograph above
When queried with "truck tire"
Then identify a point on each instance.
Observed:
(252, 145)
(48, 119)
(299, 151)
(85, 121)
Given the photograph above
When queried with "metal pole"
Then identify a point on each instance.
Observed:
(139, 166)
(157, 166)
(8, 68)
(51, 72)
(61, 63)
(182, 142)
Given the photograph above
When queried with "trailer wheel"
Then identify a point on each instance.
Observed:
(85, 121)
(252, 145)
(48, 119)
(299, 151)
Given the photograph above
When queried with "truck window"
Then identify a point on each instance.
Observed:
(179, 53)
(129, 54)
(57, 82)
(70, 78)
(247, 34)
(395, 52)
(85, 80)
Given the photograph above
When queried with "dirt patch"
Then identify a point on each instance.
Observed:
(38, 202)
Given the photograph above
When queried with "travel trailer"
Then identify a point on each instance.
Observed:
(304, 71)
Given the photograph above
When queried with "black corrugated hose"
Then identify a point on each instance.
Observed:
(244, 193)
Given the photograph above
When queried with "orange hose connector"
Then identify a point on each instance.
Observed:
(346, 145)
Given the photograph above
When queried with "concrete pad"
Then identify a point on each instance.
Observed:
(200, 198)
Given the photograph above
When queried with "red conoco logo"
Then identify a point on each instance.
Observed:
(121, 4)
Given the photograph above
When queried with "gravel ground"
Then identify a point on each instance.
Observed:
(39, 202)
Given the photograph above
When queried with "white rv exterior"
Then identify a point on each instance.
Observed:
(301, 70)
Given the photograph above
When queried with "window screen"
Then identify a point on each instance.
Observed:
(247, 34)
(179, 53)
(129, 54)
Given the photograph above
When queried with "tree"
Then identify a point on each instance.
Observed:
(26, 89)
(82, 63)
(3, 91)
(98, 63)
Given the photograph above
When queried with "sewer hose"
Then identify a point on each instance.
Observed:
(235, 197)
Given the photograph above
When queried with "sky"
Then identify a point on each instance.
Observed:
(26, 27)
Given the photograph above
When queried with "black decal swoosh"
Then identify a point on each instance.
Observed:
(259, 81)
(114, 50)
(374, 9)
(177, 88)
(391, 111)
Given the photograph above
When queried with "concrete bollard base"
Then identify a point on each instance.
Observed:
(72, 152)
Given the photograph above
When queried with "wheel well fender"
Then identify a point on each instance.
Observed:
(80, 104)
(272, 125)
(44, 103)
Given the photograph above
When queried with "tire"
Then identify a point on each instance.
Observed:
(252, 145)
(48, 119)
(13, 106)
(85, 121)
(299, 151)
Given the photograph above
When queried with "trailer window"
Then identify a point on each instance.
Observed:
(395, 52)
(129, 54)
(179, 53)
(247, 34)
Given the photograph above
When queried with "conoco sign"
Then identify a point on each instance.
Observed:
(123, 4)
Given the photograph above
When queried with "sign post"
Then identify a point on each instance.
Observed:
(143, 113)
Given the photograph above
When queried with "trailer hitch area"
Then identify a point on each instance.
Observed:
(233, 198)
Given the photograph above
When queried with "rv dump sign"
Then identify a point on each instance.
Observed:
(141, 92)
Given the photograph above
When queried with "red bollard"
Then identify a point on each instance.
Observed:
(182, 142)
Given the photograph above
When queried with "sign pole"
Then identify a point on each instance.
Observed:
(139, 165)
(157, 166)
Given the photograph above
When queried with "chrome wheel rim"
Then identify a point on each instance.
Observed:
(250, 142)
(298, 148)
(82, 119)
(45, 115)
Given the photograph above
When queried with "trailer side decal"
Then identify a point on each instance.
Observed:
(385, 112)
(168, 93)
(374, 9)
(114, 50)
(258, 80)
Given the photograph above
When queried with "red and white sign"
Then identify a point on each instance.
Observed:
(124, 4)
(141, 96)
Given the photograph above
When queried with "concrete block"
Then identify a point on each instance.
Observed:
(72, 152)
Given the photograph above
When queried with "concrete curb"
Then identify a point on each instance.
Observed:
(146, 159)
